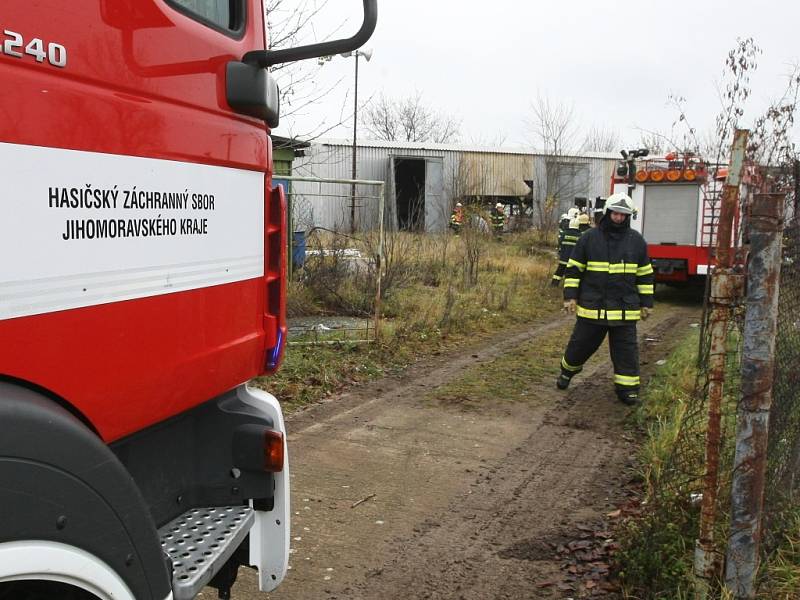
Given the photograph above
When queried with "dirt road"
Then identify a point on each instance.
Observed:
(413, 487)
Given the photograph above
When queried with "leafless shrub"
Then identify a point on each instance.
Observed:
(473, 239)
(401, 256)
(338, 280)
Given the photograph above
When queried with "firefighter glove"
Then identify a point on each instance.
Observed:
(570, 306)
(646, 313)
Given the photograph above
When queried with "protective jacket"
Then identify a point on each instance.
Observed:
(609, 274)
(498, 220)
(568, 241)
(563, 225)
(456, 220)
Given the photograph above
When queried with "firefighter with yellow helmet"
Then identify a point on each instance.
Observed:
(609, 284)
(584, 223)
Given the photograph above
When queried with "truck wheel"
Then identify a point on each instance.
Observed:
(42, 590)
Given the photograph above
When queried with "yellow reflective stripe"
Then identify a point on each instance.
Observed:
(622, 268)
(574, 263)
(570, 367)
(572, 283)
(645, 270)
(557, 277)
(597, 266)
(589, 313)
(613, 268)
(572, 238)
(611, 315)
(646, 289)
(567, 243)
(627, 380)
(563, 262)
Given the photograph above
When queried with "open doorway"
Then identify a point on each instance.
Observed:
(409, 179)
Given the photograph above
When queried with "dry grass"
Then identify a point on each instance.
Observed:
(781, 571)
(426, 304)
(511, 377)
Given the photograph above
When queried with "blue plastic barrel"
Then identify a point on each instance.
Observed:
(298, 249)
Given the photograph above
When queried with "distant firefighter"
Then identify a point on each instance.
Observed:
(457, 218)
(498, 219)
(568, 237)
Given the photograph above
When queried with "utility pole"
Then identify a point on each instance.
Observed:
(355, 146)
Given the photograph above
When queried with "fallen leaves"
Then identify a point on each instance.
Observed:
(586, 562)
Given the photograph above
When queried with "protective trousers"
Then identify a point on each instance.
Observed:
(586, 339)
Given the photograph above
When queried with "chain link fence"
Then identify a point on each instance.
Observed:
(783, 460)
(337, 260)
(731, 478)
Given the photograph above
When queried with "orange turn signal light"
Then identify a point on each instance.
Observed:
(673, 175)
(657, 175)
(273, 451)
(641, 176)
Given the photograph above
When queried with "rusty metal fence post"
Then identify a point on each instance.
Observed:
(758, 367)
(725, 286)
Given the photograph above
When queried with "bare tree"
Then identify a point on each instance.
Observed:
(408, 119)
(655, 141)
(772, 141)
(554, 126)
(734, 92)
(562, 174)
(601, 139)
(291, 23)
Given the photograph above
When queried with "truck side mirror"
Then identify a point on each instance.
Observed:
(253, 91)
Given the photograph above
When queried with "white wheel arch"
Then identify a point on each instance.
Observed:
(36, 560)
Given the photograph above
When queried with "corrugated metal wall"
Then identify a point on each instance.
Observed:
(465, 172)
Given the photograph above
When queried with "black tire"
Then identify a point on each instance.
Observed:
(42, 590)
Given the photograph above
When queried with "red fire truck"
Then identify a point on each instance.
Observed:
(142, 284)
(677, 197)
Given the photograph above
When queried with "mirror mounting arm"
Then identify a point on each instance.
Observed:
(267, 58)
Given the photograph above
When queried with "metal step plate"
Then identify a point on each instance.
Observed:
(200, 541)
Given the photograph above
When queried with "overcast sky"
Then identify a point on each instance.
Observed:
(615, 62)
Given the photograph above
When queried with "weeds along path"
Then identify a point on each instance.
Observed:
(449, 481)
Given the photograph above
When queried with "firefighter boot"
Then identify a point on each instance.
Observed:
(563, 380)
(628, 397)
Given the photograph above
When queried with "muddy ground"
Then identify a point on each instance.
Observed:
(400, 493)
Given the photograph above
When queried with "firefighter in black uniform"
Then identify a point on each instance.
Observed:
(609, 284)
(498, 218)
(567, 238)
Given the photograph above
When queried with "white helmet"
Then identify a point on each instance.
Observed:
(573, 213)
(564, 216)
(620, 203)
(499, 205)
(458, 204)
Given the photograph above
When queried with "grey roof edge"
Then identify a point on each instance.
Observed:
(457, 148)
